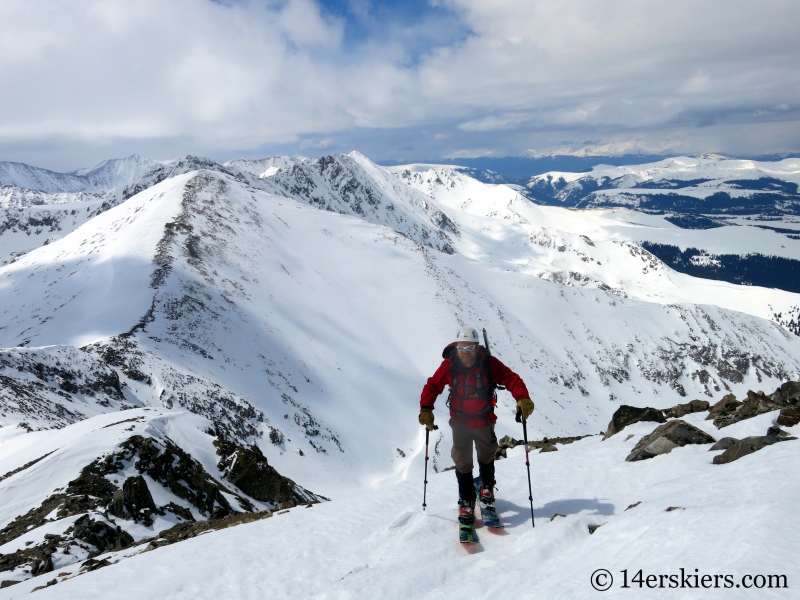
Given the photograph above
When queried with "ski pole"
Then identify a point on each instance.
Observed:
(425, 488)
(521, 419)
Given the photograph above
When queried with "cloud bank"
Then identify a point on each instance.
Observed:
(85, 78)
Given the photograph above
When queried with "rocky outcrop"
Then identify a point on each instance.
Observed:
(247, 469)
(102, 497)
(758, 403)
(665, 438)
(747, 446)
(627, 415)
(727, 406)
(790, 416)
(680, 410)
(507, 442)
(134, 501)
(723, 444)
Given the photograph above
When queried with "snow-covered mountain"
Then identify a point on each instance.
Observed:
(109, 174)
(200, 294)
(117, 172)
(686, 185)
(38, 206)
(291, 314)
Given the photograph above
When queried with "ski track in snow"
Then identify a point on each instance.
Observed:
(381, 543)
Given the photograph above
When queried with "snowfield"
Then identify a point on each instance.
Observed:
(291, 309)
(382, 543)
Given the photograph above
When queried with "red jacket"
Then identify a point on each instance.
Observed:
(475, 410)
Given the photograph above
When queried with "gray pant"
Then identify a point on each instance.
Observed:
(463, 437)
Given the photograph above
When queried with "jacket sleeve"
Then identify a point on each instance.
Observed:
(506, 377)
(435, 385)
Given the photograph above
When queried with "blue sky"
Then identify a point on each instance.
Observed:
(87, 80)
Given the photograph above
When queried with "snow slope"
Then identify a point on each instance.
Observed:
(311, 332)
(109, 174)
(704, 185)
(719, 523)
(596, 248)
(84, 472)
(117, 173)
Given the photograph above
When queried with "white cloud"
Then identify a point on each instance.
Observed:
(471, 153)
(531, 75)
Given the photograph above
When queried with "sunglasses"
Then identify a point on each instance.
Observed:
(466, 348)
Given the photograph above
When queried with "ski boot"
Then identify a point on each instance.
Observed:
(466, 512)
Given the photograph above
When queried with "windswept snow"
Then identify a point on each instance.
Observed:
(310, 329)
(596, 248)
(706, 519)
(299, 305)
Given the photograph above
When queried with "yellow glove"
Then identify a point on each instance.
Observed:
(426, 418)
(525, 406)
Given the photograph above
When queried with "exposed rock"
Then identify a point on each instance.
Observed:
(666, 437)
(790, 392)
(758, 403)
(724, 407)
(671, 508)
(508, 442)
(548, 449)
(627, 415)
(100, 534)
(247, 469)
(134, 501)
(724, 444)
(593, 528)
(747, 446)
(680, 410)
(634, 505)
(557, 515)
(777, 432)
(790, 416)
(185, 531)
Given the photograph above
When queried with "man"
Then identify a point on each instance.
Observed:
(472, 376)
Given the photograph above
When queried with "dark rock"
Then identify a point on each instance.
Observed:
(758, 403)
(627, 415)
(724, 444)
(666, 437)
(790, 416)
(777, 432)
(790, 392)
(93, 564)
(507, 442)
(680, 410)
(548, 449)
(247, 469)
(634, 505)
(101, 535)
(593, 528)
(557, 515)
(185, 531)
(671, 508)
(134, 501)
(747, 446)
(181, 511)
(7, 583)
(726, 406)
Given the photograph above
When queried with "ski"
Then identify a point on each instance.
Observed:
(489, 514)
(467, 534)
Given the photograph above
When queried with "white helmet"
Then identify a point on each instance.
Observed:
(467, 334)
